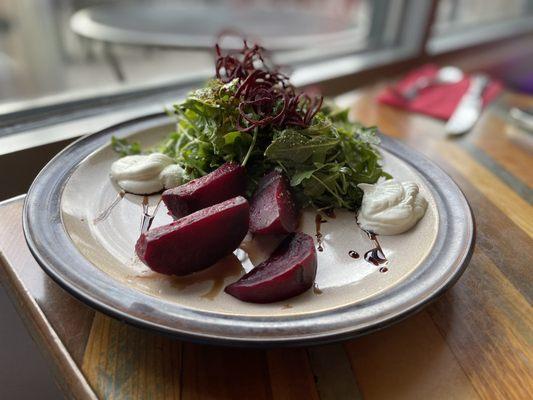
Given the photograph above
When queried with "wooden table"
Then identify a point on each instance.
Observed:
(474, 342)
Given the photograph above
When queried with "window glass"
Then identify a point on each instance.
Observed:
(453, 15)
(51, 47)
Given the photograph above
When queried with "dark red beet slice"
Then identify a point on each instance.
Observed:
(196, 241)
(272, 209)
(289, 271)
(226, 182)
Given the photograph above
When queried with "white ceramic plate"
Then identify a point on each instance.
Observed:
(91, 253)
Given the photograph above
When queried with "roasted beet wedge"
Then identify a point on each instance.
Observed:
(196, 241)
(289, 271)
(272, 209)
(226, 182)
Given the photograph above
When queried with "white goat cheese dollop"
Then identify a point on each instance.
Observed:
(146, 174)
(390, 207)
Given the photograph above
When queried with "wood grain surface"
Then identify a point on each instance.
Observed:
(474, 342)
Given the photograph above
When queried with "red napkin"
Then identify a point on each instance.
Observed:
(438, 101)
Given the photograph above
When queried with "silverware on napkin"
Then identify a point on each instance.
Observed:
(444, 76)
(469, 108)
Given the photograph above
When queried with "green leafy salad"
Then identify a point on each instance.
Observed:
(250, 114)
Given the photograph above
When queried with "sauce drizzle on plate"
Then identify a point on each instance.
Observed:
(375, 255)
(105, 213)
(147, 218)
(318, 222)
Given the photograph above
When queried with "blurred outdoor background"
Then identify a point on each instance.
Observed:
(51, 47)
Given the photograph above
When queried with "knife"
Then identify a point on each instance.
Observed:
(469, 108)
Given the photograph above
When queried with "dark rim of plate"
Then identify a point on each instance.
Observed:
(56, 253)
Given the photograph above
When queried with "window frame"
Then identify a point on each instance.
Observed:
(28, 123)
(469, 36)
(19, 116)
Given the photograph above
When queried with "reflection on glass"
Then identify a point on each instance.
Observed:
(52, 47)
(463, 14)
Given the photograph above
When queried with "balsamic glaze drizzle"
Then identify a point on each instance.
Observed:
(318, 222)
(353, 254)
(147, 218)
(105, 213)
(375, 255)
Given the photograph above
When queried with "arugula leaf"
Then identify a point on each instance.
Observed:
(324, 162)
(299, 176)
(295, 147)
(237, 143)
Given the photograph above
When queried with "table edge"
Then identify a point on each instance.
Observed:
(66, 372)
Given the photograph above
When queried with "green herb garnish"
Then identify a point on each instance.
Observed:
(258, 120)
